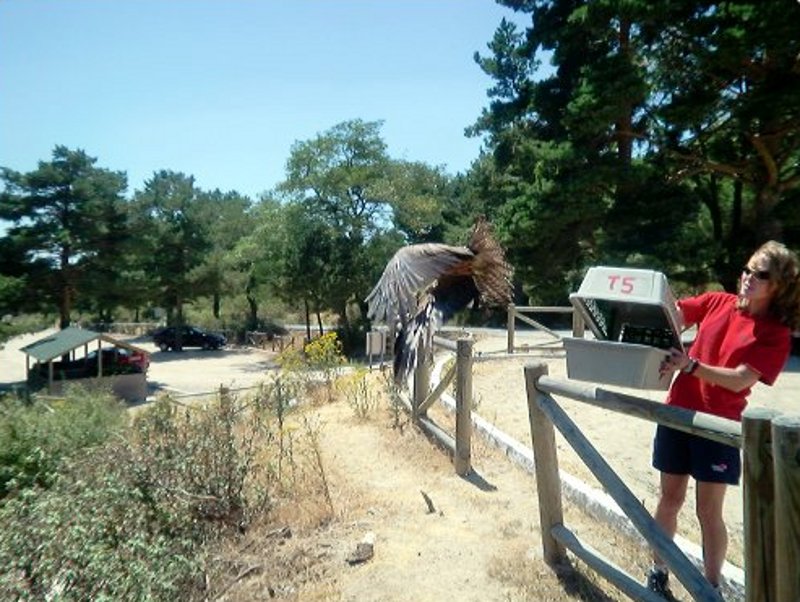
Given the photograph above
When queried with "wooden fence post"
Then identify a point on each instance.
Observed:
(578, 325)
(463, 452)
(545, 460)
(422, 381)
(510, 328)
(759, 504)
(786, 458)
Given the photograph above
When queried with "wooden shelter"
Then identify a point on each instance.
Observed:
(65, 345)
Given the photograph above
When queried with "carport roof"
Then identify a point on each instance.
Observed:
(66, 340)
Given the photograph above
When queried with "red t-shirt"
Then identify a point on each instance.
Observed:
(728, 337)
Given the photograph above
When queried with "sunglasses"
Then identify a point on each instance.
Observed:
(757, 274)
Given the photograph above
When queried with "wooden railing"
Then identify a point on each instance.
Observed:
(771, 448)
(771, 443)
(274, 341)
(422, 397)
(517, 312)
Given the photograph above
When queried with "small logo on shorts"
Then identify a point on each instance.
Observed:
(719, 467)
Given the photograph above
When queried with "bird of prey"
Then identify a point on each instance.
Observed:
(424, 285)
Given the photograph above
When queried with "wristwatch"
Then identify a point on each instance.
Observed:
(691, 366)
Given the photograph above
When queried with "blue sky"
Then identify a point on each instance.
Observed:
(220, 89)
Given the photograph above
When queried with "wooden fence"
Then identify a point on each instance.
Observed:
(517, 312)
(771, 488)
(274, 341)
(422, 397)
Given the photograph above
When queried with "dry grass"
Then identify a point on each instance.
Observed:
(298, 552)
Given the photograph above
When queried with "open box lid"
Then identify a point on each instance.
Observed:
(629, 305)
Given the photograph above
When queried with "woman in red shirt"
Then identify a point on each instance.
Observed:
(741, 339)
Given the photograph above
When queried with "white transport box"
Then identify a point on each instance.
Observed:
(633, 317)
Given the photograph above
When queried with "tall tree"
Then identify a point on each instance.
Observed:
(14, 277)
(108, 278)
(550, 182)
(57, 211)
(256, 258)
(173, 228)
(355, 198)
(416, 194)
(729, 89)
(340, 178)
(229, 220)
(621, 154)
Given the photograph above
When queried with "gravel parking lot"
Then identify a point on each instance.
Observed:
(182, 373)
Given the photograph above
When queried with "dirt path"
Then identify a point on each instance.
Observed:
(482, 542)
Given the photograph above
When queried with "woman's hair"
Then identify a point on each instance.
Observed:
(784, 270)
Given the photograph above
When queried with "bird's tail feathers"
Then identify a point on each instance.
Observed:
(491, 271)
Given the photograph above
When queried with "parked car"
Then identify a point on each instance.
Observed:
(118, 360)
(191, 336)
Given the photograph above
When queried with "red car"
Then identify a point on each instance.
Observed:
(118, 360)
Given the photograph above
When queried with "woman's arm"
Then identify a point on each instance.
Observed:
(734, 379)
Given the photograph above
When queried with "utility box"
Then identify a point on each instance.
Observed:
(633, 317)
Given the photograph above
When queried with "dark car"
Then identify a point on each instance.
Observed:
(191, 336)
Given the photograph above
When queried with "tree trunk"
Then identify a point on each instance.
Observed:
(252, 303)
(252, 318)
(65, 303)
(179, 324)
(766, 226)
(624, 124)
(308, 319)
(63, 321)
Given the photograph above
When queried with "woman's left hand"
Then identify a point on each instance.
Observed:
(676, 360)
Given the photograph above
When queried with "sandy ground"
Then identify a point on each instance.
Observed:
(483, 525)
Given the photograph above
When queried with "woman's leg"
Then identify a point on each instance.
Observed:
(710, 500)
(673, 494)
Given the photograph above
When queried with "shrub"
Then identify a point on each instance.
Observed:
(203, 463)
(90, 537)
(358, 393)
(324, 355)
(36, 438)
(11, 326)
(320, 361)
(131, 520)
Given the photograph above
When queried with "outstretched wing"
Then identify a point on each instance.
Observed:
(410, 271)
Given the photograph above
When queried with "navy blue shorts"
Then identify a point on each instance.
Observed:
(677, 452)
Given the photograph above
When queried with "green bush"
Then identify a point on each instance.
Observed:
(133, 519)
(35, 438)
(359, 393)
(90, 537)
(11, 326)
(204, 464)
